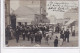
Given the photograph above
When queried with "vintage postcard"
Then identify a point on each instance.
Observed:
(41, 23)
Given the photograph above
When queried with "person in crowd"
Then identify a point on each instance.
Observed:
(23, 33)
(67, 32)
(56, 42)
(28, 35)
(43, 31)
(37, 37)
(36, 29)
(26, 31)
(47, 38)
(17, 34)
(47, 28)
(57, 29)
(73, 33)
(40, 37)
(21, 30)
(61, 41)
(62, 34)
(50, 34)
(32, 37)
(40, 31)
(7, 34)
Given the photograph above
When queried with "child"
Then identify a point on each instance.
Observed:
(56, 42)
(61, 42)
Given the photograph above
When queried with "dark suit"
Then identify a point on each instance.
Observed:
(7, 35)
(36, 38)
(62, 34)
(55, 42)
(17, 35)
(40, 37)
(32, 37)
(67, 35)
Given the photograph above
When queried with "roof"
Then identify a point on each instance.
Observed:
(70, 21)
(26, 14)
(25, 11)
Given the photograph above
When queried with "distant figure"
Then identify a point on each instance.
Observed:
(32, 37)
(17, 34)
(61, 42)
(23, 33)
(7, 34)
(47, 38)
(56, 42)
(40, 31)
(40, 37)
(36, 38)
(28, 36)
(57, 29)
(43, 31)
(67, 35)
(73, 33)
(26, 31)
(62, 34)
(50, 34)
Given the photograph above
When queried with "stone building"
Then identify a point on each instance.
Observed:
(25, 11)
(7, 12)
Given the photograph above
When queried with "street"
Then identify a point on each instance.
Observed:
(73, 42)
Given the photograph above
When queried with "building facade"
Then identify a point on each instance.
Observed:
(28, 9)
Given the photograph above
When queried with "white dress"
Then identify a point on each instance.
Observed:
(61, 42)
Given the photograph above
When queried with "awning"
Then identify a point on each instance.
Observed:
(70, 21)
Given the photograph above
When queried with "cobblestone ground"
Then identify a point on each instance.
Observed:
(73, 42)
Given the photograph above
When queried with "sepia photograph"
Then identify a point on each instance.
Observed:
(41, 23)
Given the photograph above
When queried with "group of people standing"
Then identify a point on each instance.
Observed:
(36, 33)
(33, 33)
(65, 35)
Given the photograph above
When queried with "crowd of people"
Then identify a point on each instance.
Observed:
(32, 33)
(36, 33)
